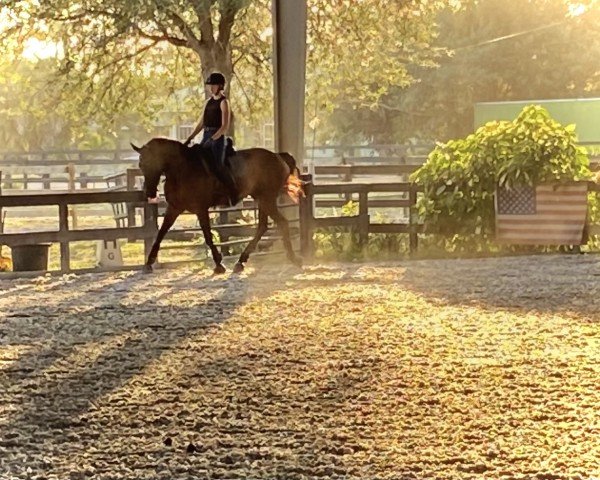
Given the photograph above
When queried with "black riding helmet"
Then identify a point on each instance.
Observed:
(215, 79)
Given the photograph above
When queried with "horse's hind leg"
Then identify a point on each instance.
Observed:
(260, 231)
(283, 226)
(169, 219)
(204, 220)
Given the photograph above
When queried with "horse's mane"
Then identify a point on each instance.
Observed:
(163, 141)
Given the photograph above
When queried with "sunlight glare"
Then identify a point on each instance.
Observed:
(40, 49)
(577, 9)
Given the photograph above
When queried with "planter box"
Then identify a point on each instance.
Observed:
(546, 214)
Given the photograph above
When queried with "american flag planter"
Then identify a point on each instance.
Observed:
(546, 214)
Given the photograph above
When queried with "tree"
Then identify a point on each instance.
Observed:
(360, 51)
(122, 57)
(502, 50)
(115, 54)
(103, 36)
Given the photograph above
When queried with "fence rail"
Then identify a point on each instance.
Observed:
(62, 157)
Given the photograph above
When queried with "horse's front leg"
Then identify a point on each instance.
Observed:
(204, 220)
(169, 219)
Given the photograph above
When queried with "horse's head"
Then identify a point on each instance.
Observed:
(152, 165)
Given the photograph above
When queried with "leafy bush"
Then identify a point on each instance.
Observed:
(460, 177)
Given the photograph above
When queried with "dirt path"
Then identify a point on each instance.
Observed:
(415, 370)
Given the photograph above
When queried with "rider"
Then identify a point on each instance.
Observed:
(215, 122)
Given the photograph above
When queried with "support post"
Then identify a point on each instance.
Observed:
(63, 222)
(413, 237)
(289, 66)
(363, 213)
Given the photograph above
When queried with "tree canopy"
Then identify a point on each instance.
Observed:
(501, 50)
(376, 70)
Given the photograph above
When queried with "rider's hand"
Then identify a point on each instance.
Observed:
(154, 200)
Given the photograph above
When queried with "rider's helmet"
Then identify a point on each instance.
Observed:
(215, 78)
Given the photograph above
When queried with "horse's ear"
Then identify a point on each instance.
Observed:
(137, 149)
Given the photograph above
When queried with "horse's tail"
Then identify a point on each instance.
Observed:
(290, 162)
(293, 184)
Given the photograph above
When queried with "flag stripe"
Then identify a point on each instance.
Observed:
(534, 236)
(561, 210)
(563, 201)
(540, 228)
(536, 240)
(530, 220)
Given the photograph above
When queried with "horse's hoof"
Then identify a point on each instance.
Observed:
(238, 268)
(219, 270)
(147, 269)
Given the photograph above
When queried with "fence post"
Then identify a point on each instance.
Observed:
(63, 222)
(82, 180)
(363, 213)
(307, 215)
(413, 237)
(130, 179)
(71, 172)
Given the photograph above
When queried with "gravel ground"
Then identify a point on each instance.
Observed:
(486, 368)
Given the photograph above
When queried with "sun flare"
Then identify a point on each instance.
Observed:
(40, 49)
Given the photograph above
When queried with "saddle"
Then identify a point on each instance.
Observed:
(196, 151)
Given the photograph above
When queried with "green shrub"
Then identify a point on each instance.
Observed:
(460, 177)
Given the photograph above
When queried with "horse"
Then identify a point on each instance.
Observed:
(191, 186)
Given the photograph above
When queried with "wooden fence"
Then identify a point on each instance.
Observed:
(362, 223)
(75, 170)
(63, 170)
(330, 186)
(66, 235)
(230, 233)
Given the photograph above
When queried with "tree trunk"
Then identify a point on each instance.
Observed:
(218, 59)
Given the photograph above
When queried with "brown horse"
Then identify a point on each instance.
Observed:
(190, 186)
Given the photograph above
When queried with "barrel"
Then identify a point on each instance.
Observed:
(29, 258)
